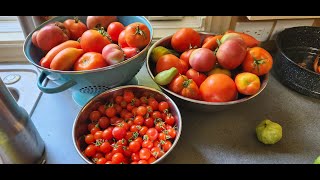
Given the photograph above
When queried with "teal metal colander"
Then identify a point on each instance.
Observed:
(87, 84)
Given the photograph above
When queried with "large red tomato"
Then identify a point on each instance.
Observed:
(75, 27)
(100, 21)
(168, 61)
(231, 53)
(137, 35)
(218, 88)
(185, 87)
(94, 41)
(185, 39)
(257, 61)
(90, 60)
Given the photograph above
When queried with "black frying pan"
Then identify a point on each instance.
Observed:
(297, 49)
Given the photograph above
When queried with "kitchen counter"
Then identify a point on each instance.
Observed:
(225, 137)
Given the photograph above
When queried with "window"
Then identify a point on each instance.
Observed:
(12, 38)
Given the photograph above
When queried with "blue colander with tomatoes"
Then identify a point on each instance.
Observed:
(86, 83)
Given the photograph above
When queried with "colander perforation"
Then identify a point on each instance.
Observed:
(93, 89)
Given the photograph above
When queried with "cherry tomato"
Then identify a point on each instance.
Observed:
(119, 132)
(90, 150)
(118, 158)
(89, 139)
(104, 122)
(152, 134)
(134, 146)
(166, 146)
(101, 161)
(144, 154)
(170, 119)
(94, 116)
(107, 133)
(105, 147)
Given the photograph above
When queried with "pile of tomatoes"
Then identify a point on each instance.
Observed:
(101, 41)
(130, 129)
(212, 68)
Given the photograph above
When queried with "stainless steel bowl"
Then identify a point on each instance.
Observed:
(82, 120)
(192, 104)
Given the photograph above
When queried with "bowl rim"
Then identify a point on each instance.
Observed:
(262, 87)
(29, 37)
(125, 87)
(279, 49)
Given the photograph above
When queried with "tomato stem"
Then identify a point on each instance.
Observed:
(76, 19)
(257, 63)
(139, 32)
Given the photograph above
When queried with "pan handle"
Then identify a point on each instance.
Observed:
(58, 89)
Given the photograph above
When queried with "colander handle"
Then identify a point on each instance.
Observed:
(60, 88)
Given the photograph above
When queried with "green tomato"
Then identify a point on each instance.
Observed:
(269, 132)
(317, 160)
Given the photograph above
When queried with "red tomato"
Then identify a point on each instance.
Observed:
(152, 134)
(144, 154)
(100, 21)
(170, 119)
(89, 139)
(114, 30)
(184, 86)
(185, 39)
(119, 132)
(118, 158)
(137, 35)
(218, 88)
(197, 77)
(75, 27)
(186, 55)
(104, 122)
(247, 83)
(257, 61)
(94, 41)
(94, 116)
(130, 51)
(121, 40)
(168, 61)
(88, 61)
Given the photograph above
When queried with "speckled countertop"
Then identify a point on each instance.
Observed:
(225, 137)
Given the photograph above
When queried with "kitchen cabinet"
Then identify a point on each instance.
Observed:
(280, 17)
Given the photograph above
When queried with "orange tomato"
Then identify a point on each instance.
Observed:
(247, 83)
(168, 61)
(46, 61)
(257, 61)
(218, 88)
(65, 59)
(75, 27)
(94, 41)
(90, 60)
(137, 35)
(212, 42)
(185, 87)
